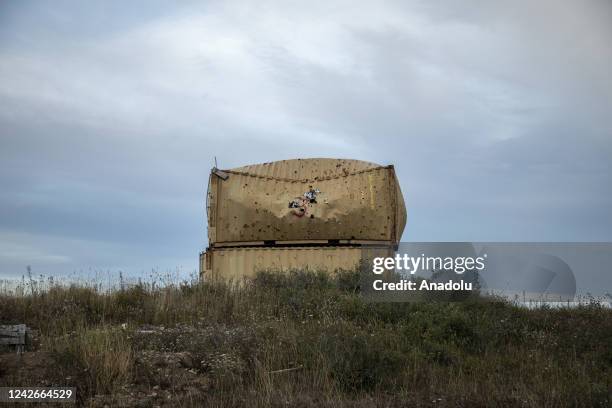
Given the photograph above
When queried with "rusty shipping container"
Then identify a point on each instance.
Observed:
(296, 203)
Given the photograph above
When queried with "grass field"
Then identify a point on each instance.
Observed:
(305, 339)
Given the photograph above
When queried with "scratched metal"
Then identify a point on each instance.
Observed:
(306, 199)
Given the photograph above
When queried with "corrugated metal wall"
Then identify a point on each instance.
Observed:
(355, 200)
(261, 217)
(237, 263)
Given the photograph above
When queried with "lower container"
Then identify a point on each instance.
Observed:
(240, 262)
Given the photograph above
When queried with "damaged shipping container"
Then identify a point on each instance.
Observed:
(330, 205)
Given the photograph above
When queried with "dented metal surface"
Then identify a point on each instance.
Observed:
(317, 214)
(305, 199)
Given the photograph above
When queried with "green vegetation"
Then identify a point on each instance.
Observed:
(308, 339)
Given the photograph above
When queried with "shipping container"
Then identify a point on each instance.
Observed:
(240, 262)
(327, 201)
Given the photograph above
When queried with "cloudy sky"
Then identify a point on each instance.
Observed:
(497, 116)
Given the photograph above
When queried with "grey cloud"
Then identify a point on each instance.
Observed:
(495, 114)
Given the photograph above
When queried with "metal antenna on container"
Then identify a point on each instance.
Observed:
(216, 162)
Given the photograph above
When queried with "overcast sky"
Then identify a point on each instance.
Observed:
(498, 118)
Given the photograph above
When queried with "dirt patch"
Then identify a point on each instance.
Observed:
(28, 369)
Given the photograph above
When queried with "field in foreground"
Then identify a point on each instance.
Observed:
(309, 340)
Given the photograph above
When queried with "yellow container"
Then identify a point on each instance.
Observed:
(302, 201)
(240, 262)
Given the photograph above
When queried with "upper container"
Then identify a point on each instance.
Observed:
(305, 201)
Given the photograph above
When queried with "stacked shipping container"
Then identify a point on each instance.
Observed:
(302, 213)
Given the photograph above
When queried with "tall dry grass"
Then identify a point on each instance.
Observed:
(103, 356)
(310, 339)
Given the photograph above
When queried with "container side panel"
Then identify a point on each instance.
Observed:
(211, 207)
(238, 263)
(202, 264)
(401, 220)
(358, 207)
